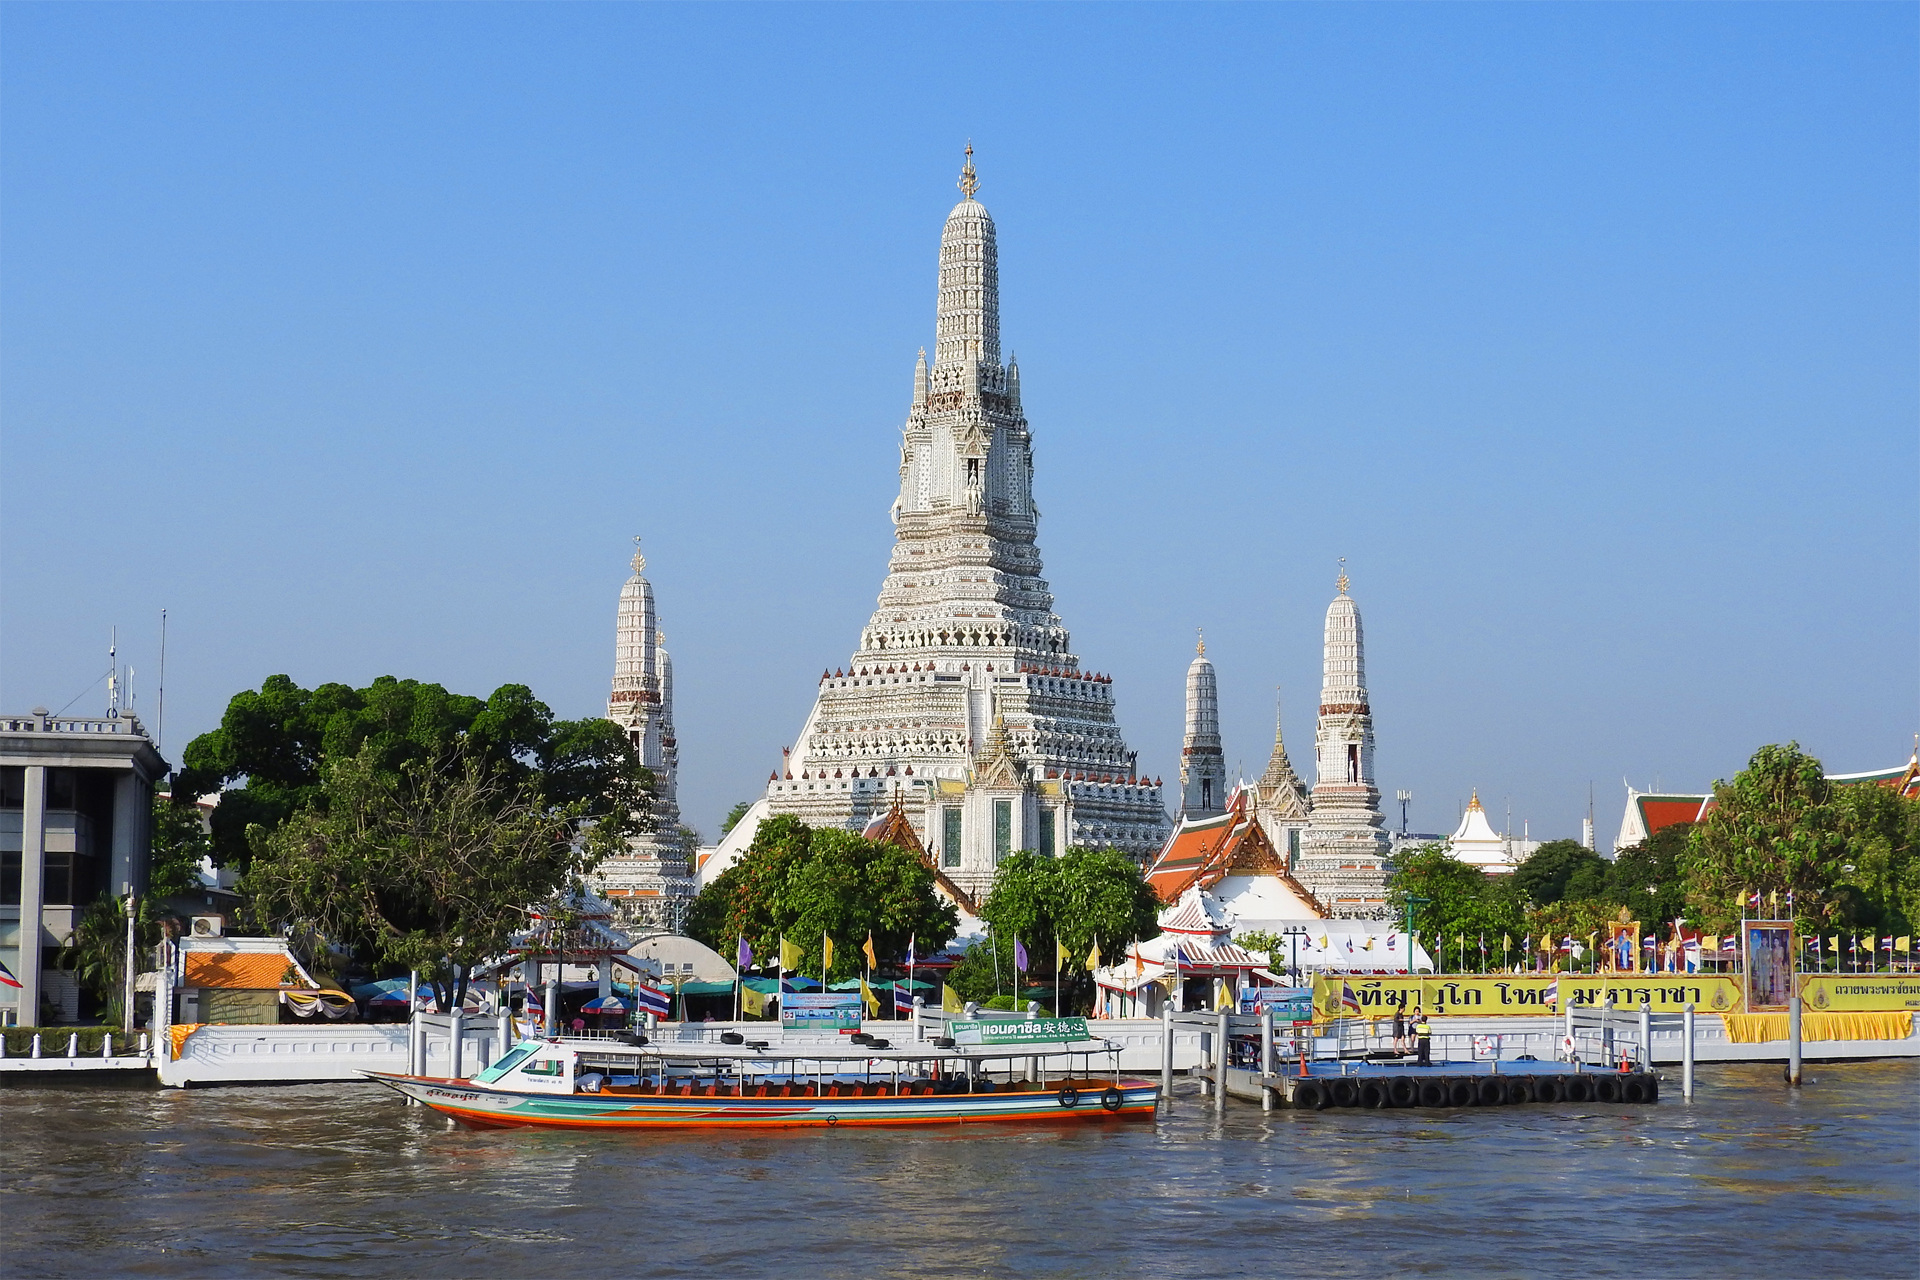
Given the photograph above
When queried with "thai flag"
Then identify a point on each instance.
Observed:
(902, 999)
(6, 977)
(1551, 996)
(1349, 1002)
(651, 1001)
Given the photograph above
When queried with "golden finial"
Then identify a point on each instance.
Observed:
(969, 183)
(639, 561)
(1341, 581)
(1201, 648)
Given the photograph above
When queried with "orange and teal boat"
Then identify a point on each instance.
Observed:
(620, 1084)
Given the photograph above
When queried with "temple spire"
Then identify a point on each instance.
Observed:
(969, 181)
(1203, 766)
(967, 323)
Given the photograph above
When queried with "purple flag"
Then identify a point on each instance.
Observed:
(1020, 954)
(745, 955)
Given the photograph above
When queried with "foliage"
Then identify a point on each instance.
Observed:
(1878, 887)
(1261, 942)
(1560, 869)
(1082, 897)
(1772, 830)
(180, 841)
(1582, 919)
(803, 883)
(985, 972)
(96, 952)
(734, 815)
(1646, 878)
(280, 740)
(431, 866)
(1462, 901)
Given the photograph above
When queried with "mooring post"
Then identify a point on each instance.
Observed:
(1686, 1052)
(1266, 1058)
(1646, 1036)
(1793, 1040)
(1166, 1053)
(1220, 1062)
(457, 1028)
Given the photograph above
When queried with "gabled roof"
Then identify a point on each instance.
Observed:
(244, 971)
(1203, 852)
(896, 829)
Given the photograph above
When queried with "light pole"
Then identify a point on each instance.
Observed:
(1412, 902)
(1404, 797)
(1293, 933)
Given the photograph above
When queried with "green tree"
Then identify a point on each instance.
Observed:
(276, 744)
(805, 883)
(1647, 880)
(1080, 898)
(1461, 901)
(734, 815)
(1560, 869)
(1878, 885)
(180, 841)
(432, 866)
(1773, 830)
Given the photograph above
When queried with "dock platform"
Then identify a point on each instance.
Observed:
(1377, 1085)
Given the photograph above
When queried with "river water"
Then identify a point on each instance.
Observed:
(1748, 1180)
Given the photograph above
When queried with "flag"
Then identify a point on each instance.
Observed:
(873, 961)
(1059, 956)
(753, 1002)
(1020, 954)
(1179, 956)
(651, 1000)
(1483, 944)
(1393, 940)
(950, 1001)
(867, 997)
(1904, 943)
(1526, 943)
(1093, 956)
(826, 953)
(789, 953)
(1773, 899)
(1869, 944)
(1712, 942)
(1551, 996)
(902, 998)
(1349, 1002)
(1368, 944)
(6, 977)
(743, 954)
(1322, 944)
(911, 939)
(1349, 945)
(1834, 944)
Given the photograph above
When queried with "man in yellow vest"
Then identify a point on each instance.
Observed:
(1423, 1037)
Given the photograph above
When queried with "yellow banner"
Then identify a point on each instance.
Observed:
(1497, 995)
(1859, 992)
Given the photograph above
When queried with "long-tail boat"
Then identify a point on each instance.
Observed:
(627, 1083)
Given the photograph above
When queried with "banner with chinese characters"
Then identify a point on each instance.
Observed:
(1495, 995)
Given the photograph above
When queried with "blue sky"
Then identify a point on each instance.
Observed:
(362, 339)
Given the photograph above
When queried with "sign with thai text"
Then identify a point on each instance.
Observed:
(1495, 995)
(1859, 992)
(1019, 1031)
(820, 1010)
(1286, 1004)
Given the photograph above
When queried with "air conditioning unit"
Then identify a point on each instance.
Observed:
(206, 926)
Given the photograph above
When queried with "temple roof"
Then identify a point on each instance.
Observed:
(1201, 853)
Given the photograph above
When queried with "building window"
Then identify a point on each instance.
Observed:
(1353, 762)
(950, 838)
(1046, 833)
(1002, 829)
(1293, 848)
(1206, 793)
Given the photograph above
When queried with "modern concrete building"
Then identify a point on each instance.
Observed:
(76, 821)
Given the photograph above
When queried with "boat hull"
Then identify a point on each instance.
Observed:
(479, 1105)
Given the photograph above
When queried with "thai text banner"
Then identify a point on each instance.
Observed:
(1021, 1031)
(1859, 992)
(1496, 995)
(820, 1010)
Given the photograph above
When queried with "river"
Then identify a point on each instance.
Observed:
(1749, 1180)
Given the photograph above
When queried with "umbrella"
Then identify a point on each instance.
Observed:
(605, 1005)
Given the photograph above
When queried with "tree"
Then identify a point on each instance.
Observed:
(1646, 878)
(805, 883)
(1461, 900)
(734, 815)
(1083, 897)
(1878, 886)
(432, 866)
(1560, 869)
(180, 842)
(277, 743)
(1773, 830)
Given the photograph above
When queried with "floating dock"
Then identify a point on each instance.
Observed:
(1377, 1086)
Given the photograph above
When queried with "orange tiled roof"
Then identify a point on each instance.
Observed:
(1204, 852)
(241, 970)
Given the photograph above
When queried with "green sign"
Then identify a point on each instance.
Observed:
(1019, 1031)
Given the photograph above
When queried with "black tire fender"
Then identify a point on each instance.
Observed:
(1402, 1092)
(1433, 1093)
(1633, 1089)
(1489, 1091)
(1069, 1098)
(1111, 1098)
(1373, 1095)
(1606, 1088)
(1308, 1095)
(1549, 1089)
(1345, 1093)
(1460, 1092)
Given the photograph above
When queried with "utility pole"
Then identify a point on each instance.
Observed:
(1404, 797)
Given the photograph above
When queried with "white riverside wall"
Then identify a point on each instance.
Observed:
(312, 1054)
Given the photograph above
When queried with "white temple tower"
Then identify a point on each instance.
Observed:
(1203, 765)
(964, 695)
(1343, 857)
(649, 883)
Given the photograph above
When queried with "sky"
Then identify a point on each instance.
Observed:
(363, 340)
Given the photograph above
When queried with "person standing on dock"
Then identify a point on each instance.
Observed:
(1423, 1037)
(1399, 1028)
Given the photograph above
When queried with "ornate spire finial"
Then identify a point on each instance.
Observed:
(1341, 581)
(1201, 648)
(969, 182)
(639, 561)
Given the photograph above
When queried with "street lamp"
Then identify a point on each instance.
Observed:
(1413, 902)
(1293, 933)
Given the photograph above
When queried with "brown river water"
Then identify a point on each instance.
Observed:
(1749, 1180)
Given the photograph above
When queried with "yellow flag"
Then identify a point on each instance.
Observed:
(1059, 955)
(1506, 941)
(1368, 944)
(1093, 956)
(826, 953)
(789, 953)
(1834, 942)
(872, 1000)
(1773, 899)
(1870, 941)
(873, 961)
(950, 1001)
(753, 1003)
(1710, 943)
(1903, 943)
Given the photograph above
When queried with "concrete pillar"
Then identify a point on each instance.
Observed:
(1166, 1053)
(457, 1028)
(33, 892)
(606, 975)
(1220, 1045)
(1686, 1052)
(128, 833)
